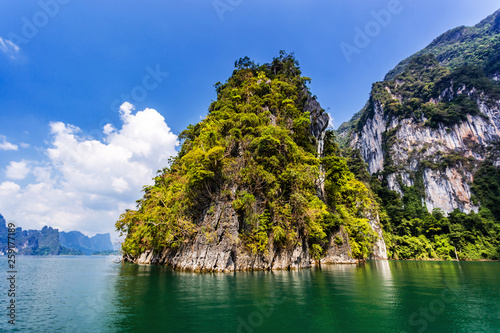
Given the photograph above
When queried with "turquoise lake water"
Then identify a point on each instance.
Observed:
(93, 294)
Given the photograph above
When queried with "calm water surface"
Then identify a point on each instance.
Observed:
(93, 294)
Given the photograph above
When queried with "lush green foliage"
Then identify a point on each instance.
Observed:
(426, 90)
(486, 188)
(162, 219)
(478, 45)
(357, 165)
(344, 131)
(414, 233)
(254, 149)
(468, 56)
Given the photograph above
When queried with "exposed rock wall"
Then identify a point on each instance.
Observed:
(319, 118)
(417, 150)
(221, 249)
(379, 248)
(369, 140)
(338, 249)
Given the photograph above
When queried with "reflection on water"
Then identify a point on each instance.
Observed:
(93, 294)
(384, 269)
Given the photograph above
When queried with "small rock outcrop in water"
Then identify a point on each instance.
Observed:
(258, 184)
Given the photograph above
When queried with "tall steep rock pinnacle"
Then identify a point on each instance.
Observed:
(227, 253)
(255, 186)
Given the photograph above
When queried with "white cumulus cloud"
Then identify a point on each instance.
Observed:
(9, 188)
(8, 47)
(86, 184)
(17, 170)
(5, 145)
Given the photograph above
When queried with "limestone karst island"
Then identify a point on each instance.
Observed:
(262, 182)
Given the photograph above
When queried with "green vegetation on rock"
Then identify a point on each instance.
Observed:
(411, 232)
(437, 89)
(254, 149)
(429, 93)
(478, 45)
(465, 56)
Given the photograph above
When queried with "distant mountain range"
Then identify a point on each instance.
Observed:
(88, 245)
(49, 241)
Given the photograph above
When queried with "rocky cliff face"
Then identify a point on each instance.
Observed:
(442, 158)
(435, 118)
(319, 119)
(428, 145)
(219, 248)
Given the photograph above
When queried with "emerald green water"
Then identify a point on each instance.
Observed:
(93, 294)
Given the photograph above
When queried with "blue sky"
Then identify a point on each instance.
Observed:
(66, 66)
